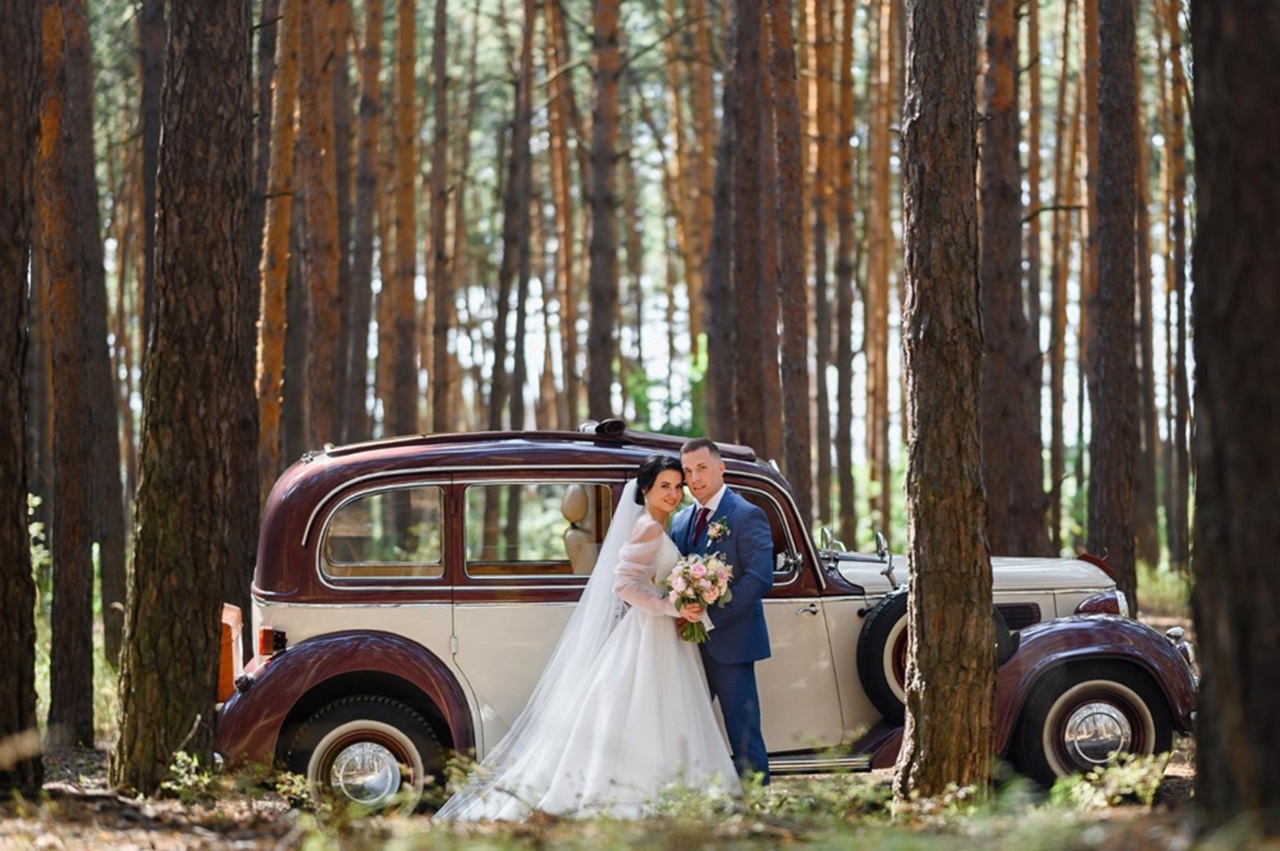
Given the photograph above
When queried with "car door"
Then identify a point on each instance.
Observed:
(527, 552)
(800, 702)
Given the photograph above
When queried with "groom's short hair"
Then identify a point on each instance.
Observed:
(701, 443)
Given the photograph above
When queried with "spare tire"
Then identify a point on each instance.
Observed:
(882, 653)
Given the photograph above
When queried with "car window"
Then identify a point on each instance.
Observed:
(386, 534)
(535, 528)
(777, 527)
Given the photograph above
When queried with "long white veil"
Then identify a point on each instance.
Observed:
(507, 781)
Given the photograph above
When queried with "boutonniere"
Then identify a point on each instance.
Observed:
(718, 530)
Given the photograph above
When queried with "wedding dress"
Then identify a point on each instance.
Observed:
(622, 711)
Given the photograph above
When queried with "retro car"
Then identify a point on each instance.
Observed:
(408, 591)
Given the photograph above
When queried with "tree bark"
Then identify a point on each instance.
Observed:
(317, 165)
(151, 40)
(198, 399)
(1012, 473)
(950, 659)
(70, 227)
(1113, 373)
(19, 101)
(402, 404)
(797, 449)
(275, 246)
(602, 198)
(442, 418)
(368, 135)
(1237, 447)
(844, 270)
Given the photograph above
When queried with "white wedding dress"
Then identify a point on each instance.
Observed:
(609, 738)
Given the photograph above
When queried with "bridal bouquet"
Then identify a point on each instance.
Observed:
(702, 580)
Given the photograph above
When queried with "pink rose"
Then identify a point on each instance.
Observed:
(678, 584)
(698, 570)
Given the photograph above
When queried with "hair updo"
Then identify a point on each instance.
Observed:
(650, 468)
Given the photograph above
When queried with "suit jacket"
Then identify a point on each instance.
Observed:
(740, 634)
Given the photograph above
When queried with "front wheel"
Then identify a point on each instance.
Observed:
(1082, 717)
(366, 750)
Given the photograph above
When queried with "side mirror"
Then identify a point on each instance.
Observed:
(882, 545)
(829, 541)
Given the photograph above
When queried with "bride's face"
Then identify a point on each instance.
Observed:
(666, 492)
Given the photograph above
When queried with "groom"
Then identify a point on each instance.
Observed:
(726, 523)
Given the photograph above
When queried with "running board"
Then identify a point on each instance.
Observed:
(813, 763)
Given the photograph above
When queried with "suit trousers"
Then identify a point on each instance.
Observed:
(734, 684)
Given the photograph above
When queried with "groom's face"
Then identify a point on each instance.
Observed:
(703, 474)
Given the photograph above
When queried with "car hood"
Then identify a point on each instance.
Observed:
(1008, 574)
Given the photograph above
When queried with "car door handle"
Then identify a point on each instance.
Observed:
(811, 609)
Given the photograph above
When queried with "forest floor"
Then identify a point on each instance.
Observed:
(1144, 805)
(78, 810)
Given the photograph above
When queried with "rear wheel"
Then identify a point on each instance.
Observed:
(1081, 717)
(366, 750)
(882, 654)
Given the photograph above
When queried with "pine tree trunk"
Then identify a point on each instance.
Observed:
(151, 41)
(275, 246)
(442, 418)
(19, 101)
(769, 406)
(1179, 544)
(350, 406)
(950, 657)
(69, 225)
(1237, 356)
(191, 478)
(1011, 467)
(559, 108)
(848, 525)
(368, 136)
(317, 165)
(1113, 374)
(402, 410)
(797, 449)
(825, 121)
(602, 198)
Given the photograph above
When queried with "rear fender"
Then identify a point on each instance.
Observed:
(1063, 641)
(310, 673)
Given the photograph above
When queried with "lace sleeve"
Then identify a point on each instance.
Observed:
(634, 581)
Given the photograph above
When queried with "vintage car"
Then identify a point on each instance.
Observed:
(408, 591)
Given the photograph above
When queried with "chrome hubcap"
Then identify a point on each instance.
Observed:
(366, 773)
(1095, 732)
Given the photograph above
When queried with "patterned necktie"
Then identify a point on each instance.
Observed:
(700, 522)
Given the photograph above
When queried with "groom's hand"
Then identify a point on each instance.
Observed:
(691, 612)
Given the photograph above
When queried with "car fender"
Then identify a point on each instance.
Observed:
(250, 722)
(1062, 641)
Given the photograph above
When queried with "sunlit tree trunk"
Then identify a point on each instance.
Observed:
(69, 225)
(1067, 134)
(742, 110)
(1180, 422)
(350, 406)
(602, 198)
(274, 274)
(797, 454)
(402, 403)
(1011, 468)
(19, 101)
(442, 418)
(705, 165)
(559, 132)
(1146, 524)
(950, 655)
(1237, 356)
(368, 138)
(1113, 374)
(769, 407)
(844, 270)
(881, 247)
(317, 167)
(263, 123)
(192, 453)
(825, 123)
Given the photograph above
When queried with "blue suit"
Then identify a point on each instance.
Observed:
(740, 637)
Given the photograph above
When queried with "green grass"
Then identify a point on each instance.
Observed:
(1163, 592)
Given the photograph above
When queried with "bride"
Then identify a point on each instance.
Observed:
(622, 710)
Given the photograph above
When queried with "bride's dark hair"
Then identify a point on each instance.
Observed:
(649, 470)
